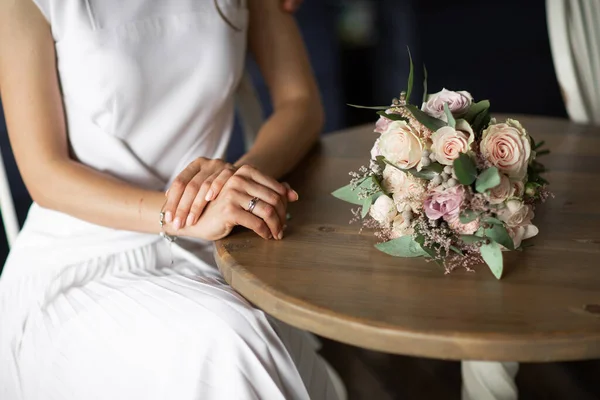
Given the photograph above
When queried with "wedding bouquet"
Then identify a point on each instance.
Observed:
(448, 182)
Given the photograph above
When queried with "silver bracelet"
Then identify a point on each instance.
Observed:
(164, 234)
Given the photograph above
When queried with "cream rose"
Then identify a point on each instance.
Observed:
(516, 213)
(394, 180)
(458, 103)
(519, 188)
(383, 210)
(411, 192)
(448, 143)
(520, 233)
(400, 145)
(401, 227)
(375, 151)
(500, 193)
(507, 147)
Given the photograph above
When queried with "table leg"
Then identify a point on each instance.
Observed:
(483, 380)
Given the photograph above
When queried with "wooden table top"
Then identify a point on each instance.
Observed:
(327, 278)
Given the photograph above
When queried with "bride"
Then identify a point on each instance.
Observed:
(110, 104)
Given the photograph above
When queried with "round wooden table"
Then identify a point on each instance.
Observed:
(326, 277)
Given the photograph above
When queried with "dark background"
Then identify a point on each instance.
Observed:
(497, 50)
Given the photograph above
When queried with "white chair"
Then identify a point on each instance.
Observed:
(7, 206)
(574, 30)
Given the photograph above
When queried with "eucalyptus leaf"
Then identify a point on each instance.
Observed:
(411, 77)
(404, 246)
(393, 117)
(468, 216)
(470, 239)
(477, 108)
(424, 84)
(492, 255)
(492, 220)
(366, 206)
(499, 234)
(481, 121)
(427, 174)
(435, 167)
(465, 169)
(370, 107)
(420, 239)
(457, 250)
(538, 145)
(449, 116)
(430, 122)
(348, 194)
(488, 179)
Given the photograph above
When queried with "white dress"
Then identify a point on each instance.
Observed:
(88, 312)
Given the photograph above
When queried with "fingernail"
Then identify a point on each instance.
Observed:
(167, 193)
(270, 236)
(177, 223)
(280, 235)
(296, 193)
(190, 220)
(209, 195)
(169, 217)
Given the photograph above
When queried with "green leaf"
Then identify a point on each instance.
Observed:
(420, 239)
(481, 121)
(542, 153)
(457, 250)
(404, 246)
(366, 206)
(369, 107)
(537, 145)
(499, 234)
(430, 122)
(488, 179)
(425, 173)
(477, 108)
(393, 117)
(348, 194)
(465, 169)
(449, 116)
(470, 239)
(492, 220)
(492, 255)
(435, 167)
(411, 76)
(468, 216)
(424, 84)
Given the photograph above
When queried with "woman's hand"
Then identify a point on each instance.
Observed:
(230, 208)
(200, 183)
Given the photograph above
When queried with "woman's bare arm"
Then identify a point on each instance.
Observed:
(294, 126)
(36, 125)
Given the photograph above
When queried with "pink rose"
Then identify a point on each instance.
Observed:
(454, 223)
(458, 103)
(444, 202)
(400, 145)
(500, 193)
(516, 213)
(448, 143)
(523, 232)
(383, 210)
(382, 124)
(507, 147)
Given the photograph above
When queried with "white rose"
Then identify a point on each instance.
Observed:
(516, 213)
(458, 103)
(401, 227)
(383, 210)
(400, 145)
(412, 192)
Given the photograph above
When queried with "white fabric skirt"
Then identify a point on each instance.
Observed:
(149, 323)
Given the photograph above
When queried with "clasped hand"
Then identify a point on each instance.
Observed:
(210, 197)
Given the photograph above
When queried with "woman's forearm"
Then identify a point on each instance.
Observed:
(286, 137)
(75, 189)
